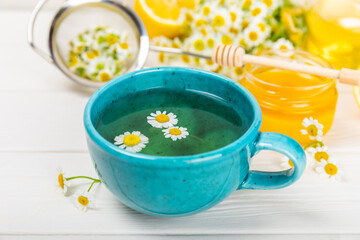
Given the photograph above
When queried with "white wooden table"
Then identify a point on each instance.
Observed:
(41, 128)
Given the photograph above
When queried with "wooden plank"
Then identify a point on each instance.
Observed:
(31, 204)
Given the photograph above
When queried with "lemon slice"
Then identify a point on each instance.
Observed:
(356, 91)
(161, 16)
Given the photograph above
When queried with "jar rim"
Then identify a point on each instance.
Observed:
(318, 60)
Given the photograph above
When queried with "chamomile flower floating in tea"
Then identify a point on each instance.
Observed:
(83, 200)
(133, 142)
(313, 128)
(329, 169)
(162, 119)
(176, 133)
(99, 54)
(62, 181)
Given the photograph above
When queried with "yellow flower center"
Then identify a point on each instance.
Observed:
(79, 48)
(227, 40)
(255, 12)
(104, 77)
(197, 60)
(233, 30)
(189, 17)
(312, 130)
(162, 118)
(199, 45)
(200, 22)
(291, 163)
(111, 39)
(90, 55)
(331, 169)
(96, 52)
(321, 155)
(219, 68)
(247, 3)
(175, 131)
(124, 45)
(203, 31)
(283, 47)
(209, 62)
(83, 200)
(245, 24)
(131, 140)
(185, 58)
(239, 71)
(262, 27)
(175, 45)
(206, 11)
(268, 3)
(61, 180)
(253, 36)
(161, 57)
(210, 42)
(232, 16)
(218, 21)
(73, 61)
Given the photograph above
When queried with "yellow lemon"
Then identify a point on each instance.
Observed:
(161, 16)
(356, 91)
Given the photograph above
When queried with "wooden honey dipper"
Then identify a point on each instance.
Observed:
(232, 56)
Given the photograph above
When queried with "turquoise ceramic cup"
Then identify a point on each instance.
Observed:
(179, 186)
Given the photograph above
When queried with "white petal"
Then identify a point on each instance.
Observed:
(136, 133)
(303, 131)
(153, 114)
(127, 133)
(158, 112)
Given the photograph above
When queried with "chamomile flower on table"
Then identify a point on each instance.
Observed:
(133, 142)
(162, 119)
(83, 200)
(175, 133)
(319, 153)
(330, 169)
(312, 128)
(62, 182)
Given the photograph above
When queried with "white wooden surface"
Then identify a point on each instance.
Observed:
(41, 128)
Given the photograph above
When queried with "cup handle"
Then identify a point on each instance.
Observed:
(275, 180)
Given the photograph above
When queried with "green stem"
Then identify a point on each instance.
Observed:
(196, 137)
(71, 178)
(91, 185)
(314, 144)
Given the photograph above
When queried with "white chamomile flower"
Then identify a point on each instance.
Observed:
(313, 128)
(175, 133)
(271, 4)
(329, 169)
(262, 26)
(253, 36)
(132, 142)
(283, 46)
(286, 163)
(319, 153)
(104, 75)
(258, 10)
(83, 200)
(89, 55)
(162, 119)
(63, 183)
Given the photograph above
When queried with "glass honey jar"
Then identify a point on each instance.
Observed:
(286, 98)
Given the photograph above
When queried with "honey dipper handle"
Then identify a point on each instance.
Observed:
(228, 55)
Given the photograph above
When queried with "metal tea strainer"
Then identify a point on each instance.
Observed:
(77, 15)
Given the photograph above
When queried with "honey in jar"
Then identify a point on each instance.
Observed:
(287, 97)
(334, 32)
